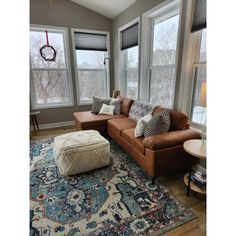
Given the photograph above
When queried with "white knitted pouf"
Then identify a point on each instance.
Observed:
(81, 151)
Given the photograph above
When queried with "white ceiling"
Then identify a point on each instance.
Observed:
(108, 8)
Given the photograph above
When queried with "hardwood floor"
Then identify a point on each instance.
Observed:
(174, 183)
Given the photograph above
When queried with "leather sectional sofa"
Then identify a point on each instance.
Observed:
(159, 154)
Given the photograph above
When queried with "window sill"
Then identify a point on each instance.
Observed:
(51, 106)
(85, 104)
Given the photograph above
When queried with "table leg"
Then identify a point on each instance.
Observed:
(36, 122)
(189, 175)
(32, 119)
(153, 181)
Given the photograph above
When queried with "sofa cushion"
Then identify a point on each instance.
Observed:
(126, 103)
(117, 125)
(128, 135)
(140, 109)
(97, 104)
(160, 123)
(88, 120)
(170, 139)
(178, 120)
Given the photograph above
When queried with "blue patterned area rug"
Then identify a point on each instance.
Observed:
(115, 200)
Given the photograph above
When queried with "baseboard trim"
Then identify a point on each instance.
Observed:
(54, 125)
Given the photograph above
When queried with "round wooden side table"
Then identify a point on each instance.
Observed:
(196, 148)
(34, 119)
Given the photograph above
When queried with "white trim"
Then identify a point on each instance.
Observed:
(76, 30)
(54, 125)
(159, 8)
(146, 32)
(120, 72)
(67, 69)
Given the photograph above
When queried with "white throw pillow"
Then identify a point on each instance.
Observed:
(107, 110)
(140, 127)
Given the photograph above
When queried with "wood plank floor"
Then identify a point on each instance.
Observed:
(174, 183)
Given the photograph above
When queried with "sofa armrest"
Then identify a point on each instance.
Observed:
(168, 139)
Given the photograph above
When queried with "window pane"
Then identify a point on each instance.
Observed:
(132, 84)
(50, 87)
(165, 41)
(90, 59)
(37, 40)
(92, 83)
(203, 46)
(199, 111)
(162, 86)
(132, 57)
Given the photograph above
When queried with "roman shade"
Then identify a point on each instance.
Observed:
(129, 37)
(90, 41)
(199, 15)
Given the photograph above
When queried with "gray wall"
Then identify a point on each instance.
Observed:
(135, 10)
(65, 13)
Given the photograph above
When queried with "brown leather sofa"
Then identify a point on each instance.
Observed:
(159, 154)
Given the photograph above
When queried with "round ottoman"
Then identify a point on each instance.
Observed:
(81, 151)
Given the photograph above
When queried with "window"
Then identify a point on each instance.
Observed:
(92, 64)
(162, 68)
(50, 80)
(199, 109)
(131, 72)
(129, 56)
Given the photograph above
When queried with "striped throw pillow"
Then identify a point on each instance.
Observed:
(160, 123)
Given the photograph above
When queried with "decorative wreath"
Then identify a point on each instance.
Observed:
(48, 52)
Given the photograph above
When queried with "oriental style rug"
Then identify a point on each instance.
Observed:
(115, 200)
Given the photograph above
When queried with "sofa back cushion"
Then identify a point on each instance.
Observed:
(97, 104)
(140, 109)
(126, 103)
(178, 120)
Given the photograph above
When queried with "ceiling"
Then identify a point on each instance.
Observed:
(108, 8)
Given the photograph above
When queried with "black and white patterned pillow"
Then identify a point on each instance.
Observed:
(160, 123)
(140, 109)
(117, 103)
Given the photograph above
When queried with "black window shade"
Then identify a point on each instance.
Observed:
(129, 37)
(90, 41)
(199, 15)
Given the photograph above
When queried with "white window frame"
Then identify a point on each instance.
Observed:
(121, 69)
(64, 31)
(196, 63)
(160, 11)
(78, 30)
(161, 15)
